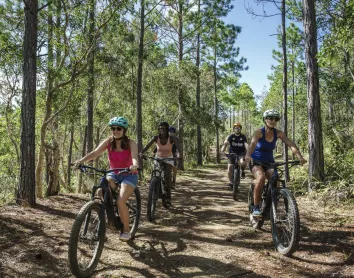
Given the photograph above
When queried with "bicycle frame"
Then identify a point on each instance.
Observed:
(108, 205)
(268, 194)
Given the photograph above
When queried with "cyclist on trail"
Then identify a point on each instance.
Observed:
(122, 153)
(238, 146)
(164, 143)
(261, 149)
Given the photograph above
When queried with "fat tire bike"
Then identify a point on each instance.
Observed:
(279, 206)
(157, 187)
(89, 228)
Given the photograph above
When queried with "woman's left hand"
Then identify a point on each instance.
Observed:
(302, 160)
(133, 169)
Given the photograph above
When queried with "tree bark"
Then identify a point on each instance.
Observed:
(139, 86)
(315, 145)
(91, 78)
(285, 90)
(216, 111)
(26, 189)
(180, 90)
(199, 130)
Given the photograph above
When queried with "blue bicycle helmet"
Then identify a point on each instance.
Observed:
(118, 121)
(172, 129)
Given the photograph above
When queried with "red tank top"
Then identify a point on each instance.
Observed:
(164, 150)
(122, 159)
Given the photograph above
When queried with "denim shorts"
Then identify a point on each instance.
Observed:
(129, 179)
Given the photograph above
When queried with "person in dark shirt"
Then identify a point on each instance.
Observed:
(238, 146)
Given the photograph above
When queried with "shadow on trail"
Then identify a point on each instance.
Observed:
(179, 265)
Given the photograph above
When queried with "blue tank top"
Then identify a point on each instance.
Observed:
(264, 149)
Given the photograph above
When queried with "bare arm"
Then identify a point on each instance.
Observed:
(134, 152)
(292, 145)
(95, 153)
(255, 138)
(153, 140)
(224, 146)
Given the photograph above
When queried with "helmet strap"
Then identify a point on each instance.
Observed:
(270, 128)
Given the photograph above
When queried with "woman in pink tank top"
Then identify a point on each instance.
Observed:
(122, 153)
(164, 143)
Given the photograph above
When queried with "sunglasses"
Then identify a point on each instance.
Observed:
(273, 119)
(118, 128)
(162, 128)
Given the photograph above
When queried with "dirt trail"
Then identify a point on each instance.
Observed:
(205, 234)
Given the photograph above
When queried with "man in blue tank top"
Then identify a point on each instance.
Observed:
(238, 146)
(261, 149)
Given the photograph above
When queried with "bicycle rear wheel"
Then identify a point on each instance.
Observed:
(134, 206)
(87, 239)
(152, 198)
(235, 182)
(256, 222)
(285, 221)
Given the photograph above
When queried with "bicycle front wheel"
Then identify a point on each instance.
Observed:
(87, 239)
(235, 182)
(152, 198)
(134, 206)
(285, 222)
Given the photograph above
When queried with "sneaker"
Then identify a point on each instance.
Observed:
(229, 184)
(256, 212)
(243, 175)
(124, 236)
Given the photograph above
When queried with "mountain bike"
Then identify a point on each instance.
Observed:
(157, 187)
(236, 174)
(89, 229)
(279, 206)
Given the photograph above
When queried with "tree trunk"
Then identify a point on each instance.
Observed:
(180, 90)
(48, 106)
(316, 158)
(139, 86)
(216, 111)
(199, 130)
(26, 189)
(285, 90)
(53, 170)
(91, 74)
(70, 153)
(293, 100)
(79, 186)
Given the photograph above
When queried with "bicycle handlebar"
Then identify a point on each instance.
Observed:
(158, 159)
(83, 168)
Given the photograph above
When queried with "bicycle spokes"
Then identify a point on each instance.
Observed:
(88, 240)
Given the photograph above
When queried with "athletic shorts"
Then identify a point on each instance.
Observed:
(265, 167)
(231, 158)
(129, 179)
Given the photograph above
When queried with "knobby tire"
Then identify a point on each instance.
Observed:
(90, 214)
(286, 224)
(235, 182)
(152, 198)
(134, 207)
